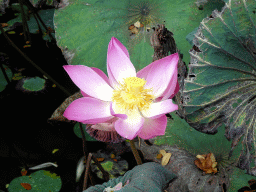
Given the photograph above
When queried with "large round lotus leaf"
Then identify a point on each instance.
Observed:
(220, 86)
(39, 181)
(84, 29)
(179, 133)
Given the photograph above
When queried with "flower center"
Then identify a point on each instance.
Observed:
(132, 95)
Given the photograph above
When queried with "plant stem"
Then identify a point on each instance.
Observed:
(135, 152)
(104, 173)
(87, 170)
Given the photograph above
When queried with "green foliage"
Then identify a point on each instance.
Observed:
(34, 84)
(220, 86)
(179, 133)
(83, 30)
(46, 16)
(146, 177)
(40, 181)
(78, 132)
(115, 167)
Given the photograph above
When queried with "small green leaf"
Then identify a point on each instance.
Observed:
(78, 132)
(34, 84)
(40, 181)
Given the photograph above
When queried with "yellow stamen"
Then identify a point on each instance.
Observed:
(132, 95)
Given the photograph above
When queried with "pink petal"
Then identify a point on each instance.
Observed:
(102, 74)
(89, 81)
(105, 132)
(159, 74)
(153, 127)
(172, 86)
(130, 127)
(159, 109)
(177, 88)
(119, 65)
(84, 94)
(88, 110)
(119, 115)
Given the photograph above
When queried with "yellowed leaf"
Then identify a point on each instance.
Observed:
(166, 158)
(159, 156)
(55, 150)
(163, 152)
(137, 24)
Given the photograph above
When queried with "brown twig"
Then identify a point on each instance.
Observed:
(104, 173)
(87, 171)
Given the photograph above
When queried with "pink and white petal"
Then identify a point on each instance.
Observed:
(153, 127)
(177, 88)
(120, 45)
(172, 86)
(143, 73)
(113, 113)
(89, 81)
(119, 65)
(130, 127)
(84, 94)
(106, 126)
(102, 74)
(161, 73)
(159, 109)
(88, 110)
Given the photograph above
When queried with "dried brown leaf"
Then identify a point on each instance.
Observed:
(58, 113)
(207, 163)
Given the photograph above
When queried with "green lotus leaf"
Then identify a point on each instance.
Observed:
(39, 181)
(180, 134)
(78, 133)
(84, 29)
(220, 86)
(34, 84)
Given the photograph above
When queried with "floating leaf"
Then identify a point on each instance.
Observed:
(84, 29)
(179, 134)
(58, 113)
(34, 84)
(220, 86)
(38, 181)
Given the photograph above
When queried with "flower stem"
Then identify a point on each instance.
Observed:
(135, 152)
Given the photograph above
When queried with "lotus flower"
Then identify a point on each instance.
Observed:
(138, 101)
